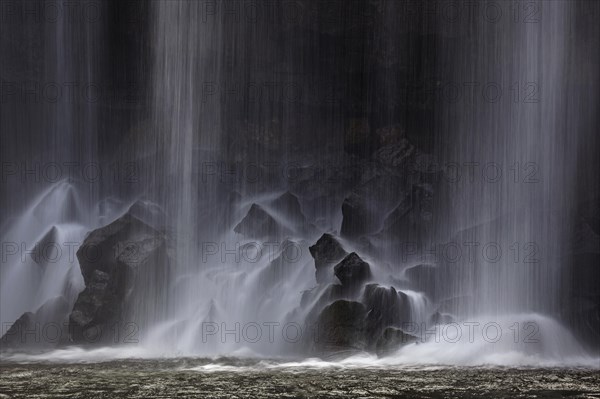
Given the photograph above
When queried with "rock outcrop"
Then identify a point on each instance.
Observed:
(385, 308)
(42, 329)
(327, 252)
(341, 327)
(258, 224)
(111, 258)
(352, 272)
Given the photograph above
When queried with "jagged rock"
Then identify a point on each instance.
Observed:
(385, 308)
(43, 328)
(112, 258)
(327, 251)
(356, 216)
(17, 336)
(341, 326)
(352, 271)
(258, 224)
(149, 212)
(288, 204)
(391, 340)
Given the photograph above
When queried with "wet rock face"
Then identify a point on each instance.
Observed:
(110, 259)
(327, 251)
(341, 327)
(258, 224)
(352, 272)
(391, 340)
(385, 308)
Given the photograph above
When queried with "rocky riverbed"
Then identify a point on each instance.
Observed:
(225, 378)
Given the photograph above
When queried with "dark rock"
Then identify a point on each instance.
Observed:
(288, 205)
(17, 336)
(356, 216)
(391, 340)
(385, 308)
(43, 329)
(352, 271)
(258, 224)
(341, 326)
(98, 306)
(314, 300)
(112, 259)
(327, 251)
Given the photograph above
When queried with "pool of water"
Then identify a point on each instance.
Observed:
(260, 378)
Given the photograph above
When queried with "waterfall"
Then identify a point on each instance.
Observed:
(510, 143)
(241, 183)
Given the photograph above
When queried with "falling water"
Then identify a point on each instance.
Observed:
(518, 134)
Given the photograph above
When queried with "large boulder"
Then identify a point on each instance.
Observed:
(327, 252)
(352, 272)
(258, 224)
(289, 206)
(112, 259)
(314, 300)
(341, 327)
(385, 308)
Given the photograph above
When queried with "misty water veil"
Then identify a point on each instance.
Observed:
(371, 183)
